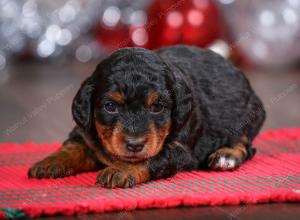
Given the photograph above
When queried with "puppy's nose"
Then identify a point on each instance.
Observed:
(135, 145)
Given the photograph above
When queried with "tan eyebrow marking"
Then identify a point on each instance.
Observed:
(118, 97)
(152, 98)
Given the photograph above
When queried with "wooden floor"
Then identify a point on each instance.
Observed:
(35, 105)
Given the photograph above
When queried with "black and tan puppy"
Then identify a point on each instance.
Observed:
(145, 115)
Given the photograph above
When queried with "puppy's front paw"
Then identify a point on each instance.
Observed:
(224, 160)
(50, 167)
(112, 177)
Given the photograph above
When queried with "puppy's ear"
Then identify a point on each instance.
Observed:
(183, 105)
(82, 105)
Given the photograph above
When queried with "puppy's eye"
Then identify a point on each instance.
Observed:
(111, 107)
(156, 108)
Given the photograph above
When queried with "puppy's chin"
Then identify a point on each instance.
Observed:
(132, 157)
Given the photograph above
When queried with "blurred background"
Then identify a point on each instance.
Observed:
(47, 48)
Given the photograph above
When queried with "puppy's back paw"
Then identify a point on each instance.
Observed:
(219, 161)
(229, 158)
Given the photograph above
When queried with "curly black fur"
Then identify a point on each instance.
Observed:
(209, 102)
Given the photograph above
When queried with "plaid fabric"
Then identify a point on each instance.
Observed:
(272, 175)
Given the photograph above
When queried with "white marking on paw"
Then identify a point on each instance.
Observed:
(225, 163)
(222, 162)
(230, 163)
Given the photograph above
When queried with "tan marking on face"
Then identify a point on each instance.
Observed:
(156, 138)
(152, 98)
(112, 138)
(118, 97)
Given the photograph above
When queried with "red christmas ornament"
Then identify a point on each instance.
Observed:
(195, 22)
(122, 36)
(113, 37)
(113, 33)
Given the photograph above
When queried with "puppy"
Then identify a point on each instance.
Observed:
(145, 115)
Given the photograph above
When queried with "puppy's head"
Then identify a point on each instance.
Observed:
(127, 104)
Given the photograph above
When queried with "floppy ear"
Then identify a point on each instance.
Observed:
(82, 105)
(183, 104)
